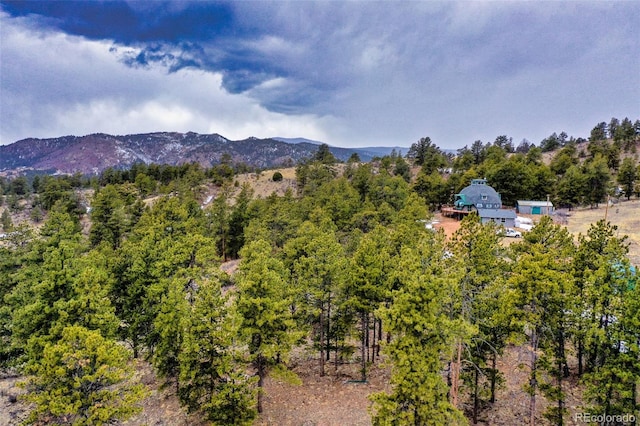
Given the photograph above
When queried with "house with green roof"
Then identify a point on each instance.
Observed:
(486, 201)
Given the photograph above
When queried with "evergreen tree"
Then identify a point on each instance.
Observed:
(338, 199)
(628, 175)
(426, 154)
(599, 132)
(240, 217)
(167, 241)
(83, 379)
(542, 286)
(107, 217)
(477, 254)
(16, 258)
(367, 287)
(607, 337)
(422, 335)
(571, 188)
(317, 267)
(169, 324)
(324, 155)
(434, 189)
(39, 302)
(5, 221)
(402, 169)
(219, 214)
(211, 379)
(276, 219)
(263, 303)
(597, 177)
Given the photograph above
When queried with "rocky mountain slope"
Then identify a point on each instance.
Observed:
(93, 153)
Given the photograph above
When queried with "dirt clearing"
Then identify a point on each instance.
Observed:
(625, 215)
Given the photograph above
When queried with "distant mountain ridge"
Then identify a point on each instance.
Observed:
(296, 140)
(91, 154)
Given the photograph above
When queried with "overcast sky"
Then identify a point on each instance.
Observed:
(345, 73)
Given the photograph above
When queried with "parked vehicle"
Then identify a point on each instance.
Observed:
(510, 232)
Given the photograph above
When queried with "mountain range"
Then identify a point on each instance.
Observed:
(91, 154)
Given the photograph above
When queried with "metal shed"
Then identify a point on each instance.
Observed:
(534, 207)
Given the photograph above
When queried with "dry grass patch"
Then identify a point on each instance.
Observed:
(625, 215)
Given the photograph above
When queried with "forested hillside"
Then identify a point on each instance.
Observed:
(97, 271)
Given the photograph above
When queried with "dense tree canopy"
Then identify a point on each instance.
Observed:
(340, 269)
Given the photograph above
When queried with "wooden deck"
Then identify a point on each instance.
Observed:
(451, 212)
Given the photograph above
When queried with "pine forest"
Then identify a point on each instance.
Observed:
(223, 290)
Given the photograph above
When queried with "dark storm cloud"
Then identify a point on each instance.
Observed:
(122, 23)
(360, 72)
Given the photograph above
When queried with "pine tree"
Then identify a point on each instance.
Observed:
(167, 241)
(542, 287)
(608, 332)
(211, 377)
(422, 335)
(367, 287)
(46, 286)
(318, 265)
(108, 220)
(598, 250)
(239, 220)
(628, 175)
(83, 379)
(5, 221)
(263, 303)
(597, 177)
(479, 261)
(169, 324)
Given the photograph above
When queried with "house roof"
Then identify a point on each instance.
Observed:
(497, 213)
(480, 192)
(535, 203)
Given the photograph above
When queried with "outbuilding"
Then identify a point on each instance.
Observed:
(534, 207)
(504, 217)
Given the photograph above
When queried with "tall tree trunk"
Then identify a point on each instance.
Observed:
(455, 376)
(373, 342)
(328, 331)
(363, 346)
(533, 381)
(135, 344)
(560, 396)
(634, 397)
(261, 375)
(366, 334)
(449, 381)
(379, 337)
(476, 401)
(335, 358)
(494, 377)
(321, 340)
(580, 357)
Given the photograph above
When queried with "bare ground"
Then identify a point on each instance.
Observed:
(332, 400)
(625, 215)
(335, 399)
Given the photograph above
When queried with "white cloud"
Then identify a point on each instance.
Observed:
(55, 84)
(348, 73)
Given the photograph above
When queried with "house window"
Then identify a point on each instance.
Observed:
(503, 220)
(479, 205)
(484, 197)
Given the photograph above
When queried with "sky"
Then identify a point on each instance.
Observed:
(348, 73)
